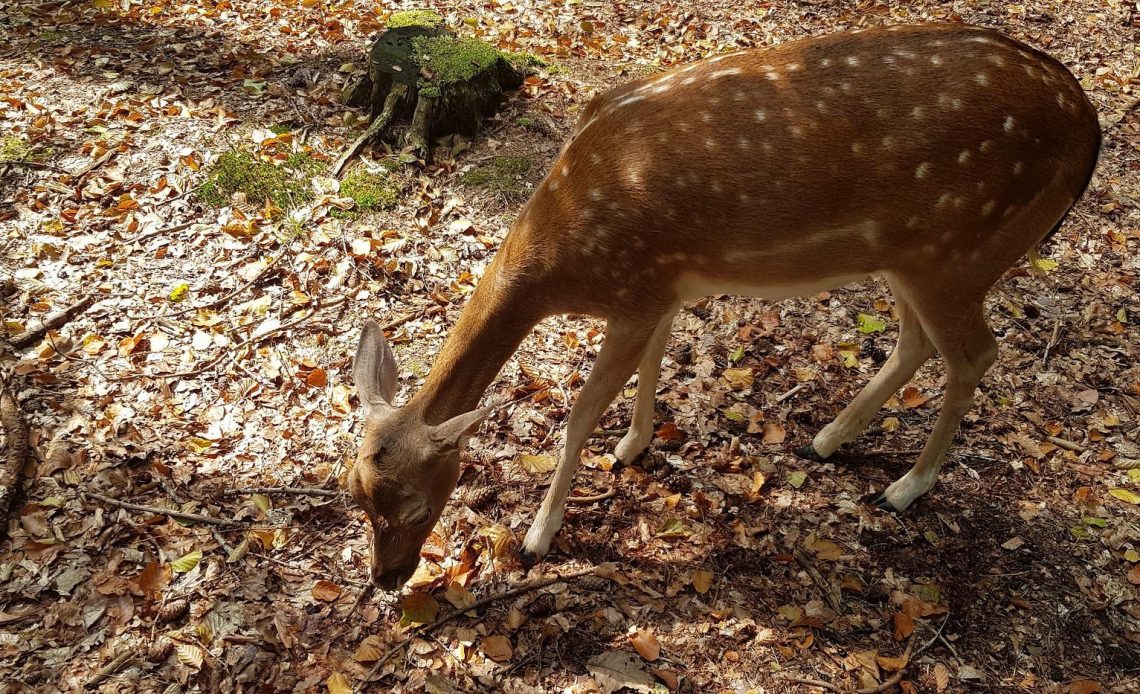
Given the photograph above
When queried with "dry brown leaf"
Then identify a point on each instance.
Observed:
(670, 678)
(702, 580)
(369, 649)
(774, 432)
(646, 644)
(190, 655)
(326, 591)
(338, 684)
(904, 626)
(498, 648)
(941, 677)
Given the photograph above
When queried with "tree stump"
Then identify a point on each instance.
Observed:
(437, 82)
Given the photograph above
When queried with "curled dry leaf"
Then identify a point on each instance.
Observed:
(646, 644)
(702, 580)
(326, 591)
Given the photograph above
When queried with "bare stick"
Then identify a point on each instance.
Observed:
(164, 230)
(117, 663)
(157, 510)
(894, 679)
(1052, 343)
(34, 165)
(300, 491)
(523, 587)
(790, 393)
(85, 171)
(221, 300)
(51, 322)
(591, 499)
(826, 588)
(1066, 444)
(15, 457)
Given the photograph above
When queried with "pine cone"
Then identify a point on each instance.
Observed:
(594, 584)
(475, 498)
(160, 650)
(175, 609)
(542, 606)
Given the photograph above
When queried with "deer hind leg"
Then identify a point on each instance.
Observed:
(968, 348)
(911, 351)
(648, 371)
(625, 342)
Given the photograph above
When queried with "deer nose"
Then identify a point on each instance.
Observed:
(392, 580)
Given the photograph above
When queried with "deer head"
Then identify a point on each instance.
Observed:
(406, 468)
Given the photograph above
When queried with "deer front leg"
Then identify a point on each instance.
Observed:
(626, 340)
(640, 431)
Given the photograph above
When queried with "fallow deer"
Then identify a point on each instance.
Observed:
(933, 155)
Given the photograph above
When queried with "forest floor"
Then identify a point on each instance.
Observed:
(216, 357)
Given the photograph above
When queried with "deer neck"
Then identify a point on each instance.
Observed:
(488, 332)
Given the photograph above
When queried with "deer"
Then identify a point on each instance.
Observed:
(936, 156)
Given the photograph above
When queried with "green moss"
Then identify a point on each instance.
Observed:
(370, 190)
(15, 148)
(505, 176)
(453, 59)
(241, 171)
(415, 18)
(526, 59)
(526, 121)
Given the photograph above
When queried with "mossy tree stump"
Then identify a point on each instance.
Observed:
(422, 74)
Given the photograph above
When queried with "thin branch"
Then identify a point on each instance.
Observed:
(591, 499)
(16, 456)
(523, 587)
(34, 165)
(164, 230)
(1052, 342)
(300, 491)
(117, 663)
(791, 392)
(230, 295)
(894, 679)
(51, 322)
(833, 597)
(1066, 444)
(157, 510)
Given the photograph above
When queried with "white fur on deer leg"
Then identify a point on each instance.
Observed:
(903, 491)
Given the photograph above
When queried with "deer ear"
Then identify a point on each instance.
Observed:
(374, 368)
(451, 433)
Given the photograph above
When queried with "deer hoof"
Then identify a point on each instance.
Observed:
(884, 505)
(808, 452)
(529, 559)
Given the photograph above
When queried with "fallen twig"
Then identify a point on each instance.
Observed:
(892, 681)
(117, 663)
(829, 592)
(791, 392)
(1066, 444)
(164, 230)
(1052, 343)
(222, 299)
(51, 322)
(16, 456)
(300, 491)
(158, 510)
(591, 499)
(524, 587)
(82, 174)
(34, 165)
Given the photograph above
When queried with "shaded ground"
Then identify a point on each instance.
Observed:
(1023, 555)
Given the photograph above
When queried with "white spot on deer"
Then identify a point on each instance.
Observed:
(689, 80)
(922, 170)
(986, 146)
(821, 106)
(1008, 212)
(725, 73)
(889, 59)
(1029, 70)
(943, 200)
(845, 87)
(743, 142)
(760, 115)
(623, 293)
(738, 97)
(683, 126)
(869, 230)
(981, 39)
(565, 170)
(717, 59)
(918, 112)
(1008, 124)
(796, 130)
(552, 184)
(888, 142)
(627, 100)
(595, 158)
(744, 198)
(858, 148)
(710, 143)
(1018, 167)
(706, 116)
(660, 89)
(852, 60)
(716, 186)
(909, 55)
(913, 223)
(959, 202)
(935, 60)
(792, 67)
(988, 208)
(829, 91)
(595, 194)
(773, 76)
(964, 157)
(767, 147)
(679, 181)
(996, 60)
(1061, 100)
(982, 79)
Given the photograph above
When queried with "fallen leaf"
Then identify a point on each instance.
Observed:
(497, 648)
(186, 562)
(774, 432)
(419, 608)
(869, 324)
(369, 649)
(326, 591)
(1085, 687)
(739, 378)
(702, 580)
(796, 478)
(912, 397)
(190, 655)
(646, 644)
(904, 625)
(1013, 543)
(941, 677)
(537, 464)
(823, 549)
(338, 684)
(614, 670)
(1125, 495)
